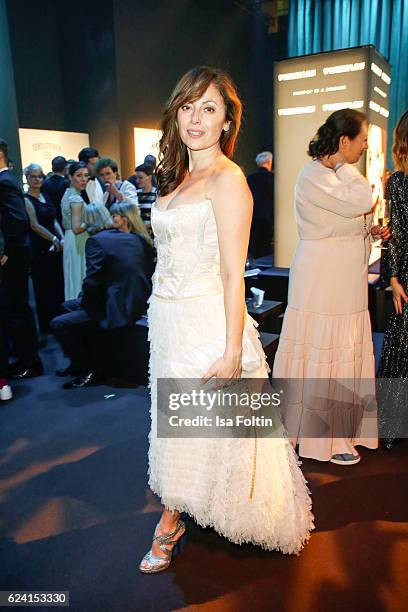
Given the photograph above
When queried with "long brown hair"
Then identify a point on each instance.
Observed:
(172, 151)
(400, 146)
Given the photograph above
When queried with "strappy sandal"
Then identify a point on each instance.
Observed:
(159, 564)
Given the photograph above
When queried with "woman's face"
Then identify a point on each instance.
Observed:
(352, 150)
(201, 122)
(35, 179)
(120, 223)
(79, 179)
(143, 180)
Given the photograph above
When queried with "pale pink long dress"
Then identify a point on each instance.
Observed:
(326, 333)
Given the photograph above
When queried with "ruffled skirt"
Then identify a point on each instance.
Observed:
(248, 490)
(326, 347)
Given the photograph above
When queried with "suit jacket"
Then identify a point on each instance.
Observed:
(261, 184)
(54, 187)
(14, 221)
(119, 268)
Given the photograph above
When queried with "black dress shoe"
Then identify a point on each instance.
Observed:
(24, 372)
(88, 380)
(70, 370)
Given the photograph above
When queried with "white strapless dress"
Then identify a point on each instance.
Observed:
(211, 479)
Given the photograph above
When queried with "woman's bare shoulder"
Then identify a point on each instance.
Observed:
(227, 174)
(228, 182)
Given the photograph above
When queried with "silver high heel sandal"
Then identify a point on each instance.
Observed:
(159, 564)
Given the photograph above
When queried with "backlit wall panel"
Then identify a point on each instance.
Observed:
(146, 143)
(307, 90)
(41, 146)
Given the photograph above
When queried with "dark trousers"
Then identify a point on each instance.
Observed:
(48, 283)
(80, 337)
(120, 352)
(3, 341)
(261, 237)
(17, 316)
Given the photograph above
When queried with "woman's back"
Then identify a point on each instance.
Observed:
(70, 199)
(328, 204)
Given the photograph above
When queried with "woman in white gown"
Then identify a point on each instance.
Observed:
(73, 222)
(199, 328)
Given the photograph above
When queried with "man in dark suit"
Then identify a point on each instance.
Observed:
(15, 226)
(114, 295)
(261, 184)
(54, 186)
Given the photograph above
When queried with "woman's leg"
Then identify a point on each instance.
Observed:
(167, 524)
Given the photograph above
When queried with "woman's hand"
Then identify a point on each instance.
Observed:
(3, 260)
(383, 233)
(225, 368)
(57, 244)
(398, 295)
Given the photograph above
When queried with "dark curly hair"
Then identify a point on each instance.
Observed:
(344, 122)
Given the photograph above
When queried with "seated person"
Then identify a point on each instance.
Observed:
(119, 264)
(106, 170)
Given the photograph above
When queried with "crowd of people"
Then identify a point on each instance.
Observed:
(91, 258)
(85, 237)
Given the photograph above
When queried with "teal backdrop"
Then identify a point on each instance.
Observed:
(328, 25)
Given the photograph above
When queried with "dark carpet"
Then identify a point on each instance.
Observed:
(76, 515)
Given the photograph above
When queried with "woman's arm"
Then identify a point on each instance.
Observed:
(58, 230)
(232, 204)
(37, 227)
(391, 255)
(345, 192)
(77, 226)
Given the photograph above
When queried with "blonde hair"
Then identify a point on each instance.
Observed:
(400, 146)
(131, 213)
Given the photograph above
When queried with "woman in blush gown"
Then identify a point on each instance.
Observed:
(326, 343)
(199, 328)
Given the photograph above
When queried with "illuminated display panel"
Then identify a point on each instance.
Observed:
(308, 89)
(41, 146)
(146, 143)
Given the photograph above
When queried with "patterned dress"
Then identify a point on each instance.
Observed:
(394, 357)
(74, 244)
